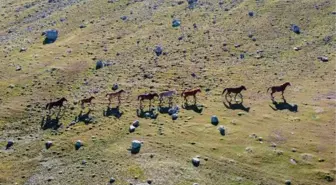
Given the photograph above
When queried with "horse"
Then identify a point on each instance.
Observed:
(192, 92)
(280, 88)
(58, 103)
(235, 90)
(168, 94)
(149, 96)
(115, 94)
(86, 100)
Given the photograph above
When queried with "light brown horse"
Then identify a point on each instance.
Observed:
(149, 96)
(280, 88)
(192, 92)
(87, 101)
(115, 94)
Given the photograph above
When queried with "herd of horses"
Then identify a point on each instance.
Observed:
(169, 95)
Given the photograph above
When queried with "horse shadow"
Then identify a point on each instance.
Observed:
(51, 123)
(196, 108)
(284, 106)
(236, 106)
(147, 114)
(114, 111)
(86, 118)
(164, 110)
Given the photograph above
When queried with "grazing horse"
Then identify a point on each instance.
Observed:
(235, 90)
(149, 96)
(115, 94)
(280, 88)
(192, 92)
(168, 94)
(58, 103)
(86, 101)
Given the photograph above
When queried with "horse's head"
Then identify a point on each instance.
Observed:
(198, 90)
(92, 97)
(122, 91)
(243, 87)
(287, 84)
(64, 99)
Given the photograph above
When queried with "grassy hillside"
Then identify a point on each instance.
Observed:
(209, 42)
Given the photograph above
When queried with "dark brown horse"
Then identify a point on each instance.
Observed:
(235, 90)
(280, 88)
(115, 94)
(186, 93)
(149, 96)
(58, 103)
(87, 101)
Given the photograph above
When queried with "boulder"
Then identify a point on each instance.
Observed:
(214, 120)
(136, 146)
(48, 144)
(50, 34)
(176, 23)
(195, 161)
(295, 29)
(131, 128)
(221, 130)
(323, 58)
(78, 144)
(158, 50)
(10, 143)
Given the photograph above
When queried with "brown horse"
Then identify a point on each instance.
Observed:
(115, 94)
(149, 96)
(58, 103)
(192, 92)
(87, 101)
(280, 88)
(235, 90)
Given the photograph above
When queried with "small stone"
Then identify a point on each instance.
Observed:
(321, 160)
(84, 162)
(149, 181)
(18, 68)
(248, 149)
(10, 143)
(293, 149)
(288, 182)
(260, 139)
(112, 180)
(297, 48)
(23, 49)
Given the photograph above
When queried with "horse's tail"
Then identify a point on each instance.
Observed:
(106, 95)
(139, 97)
(224, 90)
(182, 93)
(269, 89)
(48, 104)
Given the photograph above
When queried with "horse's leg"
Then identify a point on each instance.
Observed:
(195, 99)
(272, 97)
(282, 93)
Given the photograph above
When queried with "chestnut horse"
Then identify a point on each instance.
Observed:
(280, 88)
(192, 92)
(58, 103)
(87, 101)
(235, 90)
(115, 94)
(149, 96)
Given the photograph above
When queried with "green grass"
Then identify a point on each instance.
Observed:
(169, 145)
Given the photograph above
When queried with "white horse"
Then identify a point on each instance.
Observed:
(167, 94)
